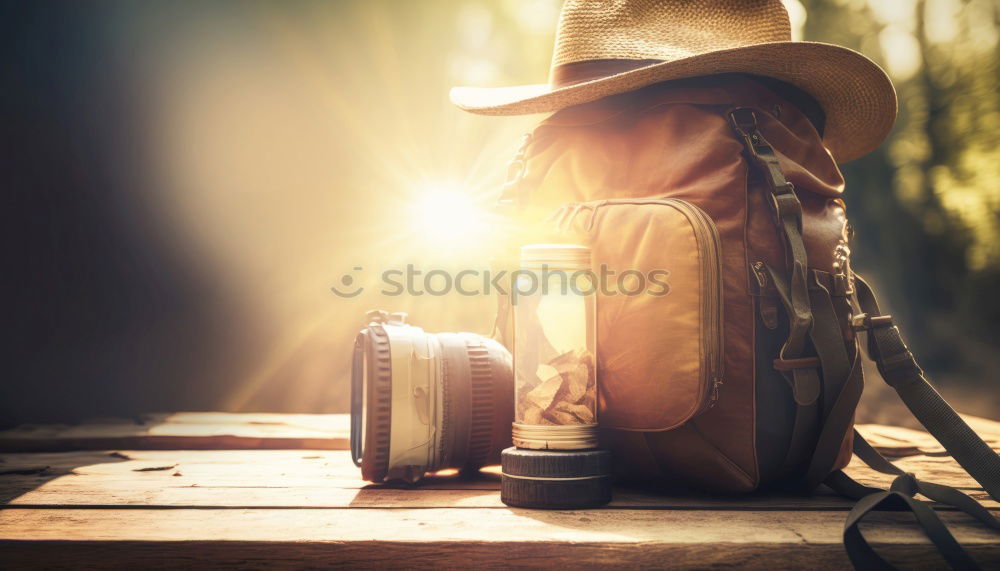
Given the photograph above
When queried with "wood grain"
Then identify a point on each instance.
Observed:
(186, 431)
(388, 554)
(899, 441)
(260, 507)
(221, 431)
(247, 478)
(450, 537)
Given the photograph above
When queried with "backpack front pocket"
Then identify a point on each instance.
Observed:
(659, 308)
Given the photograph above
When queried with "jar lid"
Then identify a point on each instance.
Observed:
(554, 437)
(555, 257)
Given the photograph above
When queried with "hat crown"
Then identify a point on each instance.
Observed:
(664, 30)
(607, 47)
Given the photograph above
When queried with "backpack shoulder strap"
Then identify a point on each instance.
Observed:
(900, 495)
(900, 371)
(794, 290)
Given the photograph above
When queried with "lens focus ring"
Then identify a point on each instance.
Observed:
(375, 462)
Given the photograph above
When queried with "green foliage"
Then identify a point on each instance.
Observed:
(927, 204)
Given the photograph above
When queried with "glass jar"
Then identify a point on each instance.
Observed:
(555, 383)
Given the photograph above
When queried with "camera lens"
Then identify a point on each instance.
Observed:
(422, 402)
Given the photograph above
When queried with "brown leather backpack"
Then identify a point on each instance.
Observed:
(747, 373)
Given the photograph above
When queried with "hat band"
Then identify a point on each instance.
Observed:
(581, 71)
(569, 74)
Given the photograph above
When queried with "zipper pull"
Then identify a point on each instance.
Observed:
(767, 305)
(716, 383)
(759, 273)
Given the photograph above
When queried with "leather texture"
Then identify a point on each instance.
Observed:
(675, 142)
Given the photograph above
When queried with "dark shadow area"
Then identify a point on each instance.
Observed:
(105, 316)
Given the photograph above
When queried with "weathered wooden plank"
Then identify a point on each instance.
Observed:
(383, 554)
(176, 497)
(215, 430)
(899, 441)
(308, 508)
(187, 431)
(487, 537)
(328, 479)
(71, 492)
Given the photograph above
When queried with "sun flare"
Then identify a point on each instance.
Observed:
(445, 216)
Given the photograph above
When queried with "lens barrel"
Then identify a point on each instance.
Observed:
(423, 402)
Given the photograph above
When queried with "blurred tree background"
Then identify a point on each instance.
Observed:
(188, 178)
(926, 204)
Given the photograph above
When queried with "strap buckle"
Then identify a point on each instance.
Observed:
(784, 365)
(785, 203)
(865, 322)
(743, 120)
(887, 349)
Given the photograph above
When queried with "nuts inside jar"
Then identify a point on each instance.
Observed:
(568, 395)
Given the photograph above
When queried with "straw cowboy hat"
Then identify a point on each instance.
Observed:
(613, 46)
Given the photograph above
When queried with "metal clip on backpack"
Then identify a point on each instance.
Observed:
(747, 374)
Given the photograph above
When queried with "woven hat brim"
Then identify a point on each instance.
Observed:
(856, 95)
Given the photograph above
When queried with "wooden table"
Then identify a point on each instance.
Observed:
(212, 489)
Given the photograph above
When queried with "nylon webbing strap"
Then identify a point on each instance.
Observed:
(937, 492)
(787, 212)
(836, 426)
(794, 291)
(843, 383)
(900, 495)
(899, 369)
(842, 386)
(828, 340)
